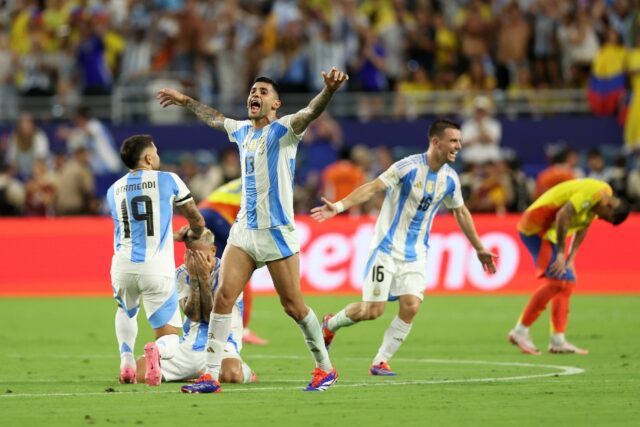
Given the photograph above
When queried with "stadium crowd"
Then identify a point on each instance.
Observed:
(72, 49)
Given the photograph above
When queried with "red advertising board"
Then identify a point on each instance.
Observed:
(71, 256)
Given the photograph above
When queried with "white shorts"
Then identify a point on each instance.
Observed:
(189, 364)
(159, 297)
(387, 278)
(265, 244)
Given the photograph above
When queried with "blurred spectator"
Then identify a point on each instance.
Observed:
(36, 70)
(579, 44)
(368, 73)
(632, 123)
(473, 24)
(475, 79)
(519, 185)
(76, 184)
(513, 39)
(91, 134)
(136, 60)
(559, 170)
(325, 50)
(490, 190)
(40, 191)
(320, 145)
(481, 134)
(410, 92)
(7, 71)
(422, 41)
(90, 52)
(12, 192)
(545, 43)
(27, 143)
(598, 168)
(633, 184)
(341, 178)
(618, 179)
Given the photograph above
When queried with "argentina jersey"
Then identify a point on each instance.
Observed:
(141, 205)
(267, 159)
(414, 194)
(195, 334)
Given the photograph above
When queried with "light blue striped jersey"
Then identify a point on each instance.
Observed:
(141, 205)
(267, 159)
(195, 332)
(414, 194)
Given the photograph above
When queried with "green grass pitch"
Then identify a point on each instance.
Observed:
(59, 366)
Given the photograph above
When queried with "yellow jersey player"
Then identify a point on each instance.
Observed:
(567, 209)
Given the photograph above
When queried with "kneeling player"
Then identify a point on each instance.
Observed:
(197, 281)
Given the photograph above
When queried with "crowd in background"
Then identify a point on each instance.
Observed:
(70, 49)
(36, 180)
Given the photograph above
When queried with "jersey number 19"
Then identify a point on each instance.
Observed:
(146, 215)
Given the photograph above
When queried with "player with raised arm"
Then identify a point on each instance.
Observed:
(264, 232)
(567, 209)
(197, 280)
(141, 205)
(415, 188)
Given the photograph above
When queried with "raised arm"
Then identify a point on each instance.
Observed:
(360, 195)
(196, 222)
(208, 115)
(465, 222)
(332, 81)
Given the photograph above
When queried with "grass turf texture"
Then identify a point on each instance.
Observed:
(59, 366)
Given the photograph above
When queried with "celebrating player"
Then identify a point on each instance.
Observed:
(197, 280)
(264, 230)
(415, 187)
(566, 209)
(219, 210)
(141, 204)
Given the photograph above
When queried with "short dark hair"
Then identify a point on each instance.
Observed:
(620, 212)
(440, 125)
(132, 148)
(264, 79)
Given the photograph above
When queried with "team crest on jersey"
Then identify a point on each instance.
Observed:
(376, 291)
(430, 185)
(418, 185)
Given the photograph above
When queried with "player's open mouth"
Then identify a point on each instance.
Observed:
(254, 106)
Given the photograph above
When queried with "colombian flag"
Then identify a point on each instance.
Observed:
(607, 81)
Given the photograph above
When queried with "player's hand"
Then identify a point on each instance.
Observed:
(168, 97)
(324, 212)
(488, 260)
(201, 265)
(334, 79)
(558, 267)
(181, 235)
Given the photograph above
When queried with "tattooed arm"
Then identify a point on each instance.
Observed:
(208, 115)
(332, 81)
(196, 222)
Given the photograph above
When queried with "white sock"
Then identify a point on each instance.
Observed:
(521, 329)
(558, 339)
(394, 336)
(312, 332)
(339, 320)
(219, 328)
(246, 373)
(126, 332)
(168, 345)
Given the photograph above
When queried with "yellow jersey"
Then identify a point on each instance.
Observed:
(583, 194)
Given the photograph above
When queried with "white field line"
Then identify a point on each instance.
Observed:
(561, 370)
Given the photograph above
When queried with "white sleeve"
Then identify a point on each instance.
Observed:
(291, 137)
(182, 193)
(454, 200)
(182, 282)
(231, 126)
(392, 176)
